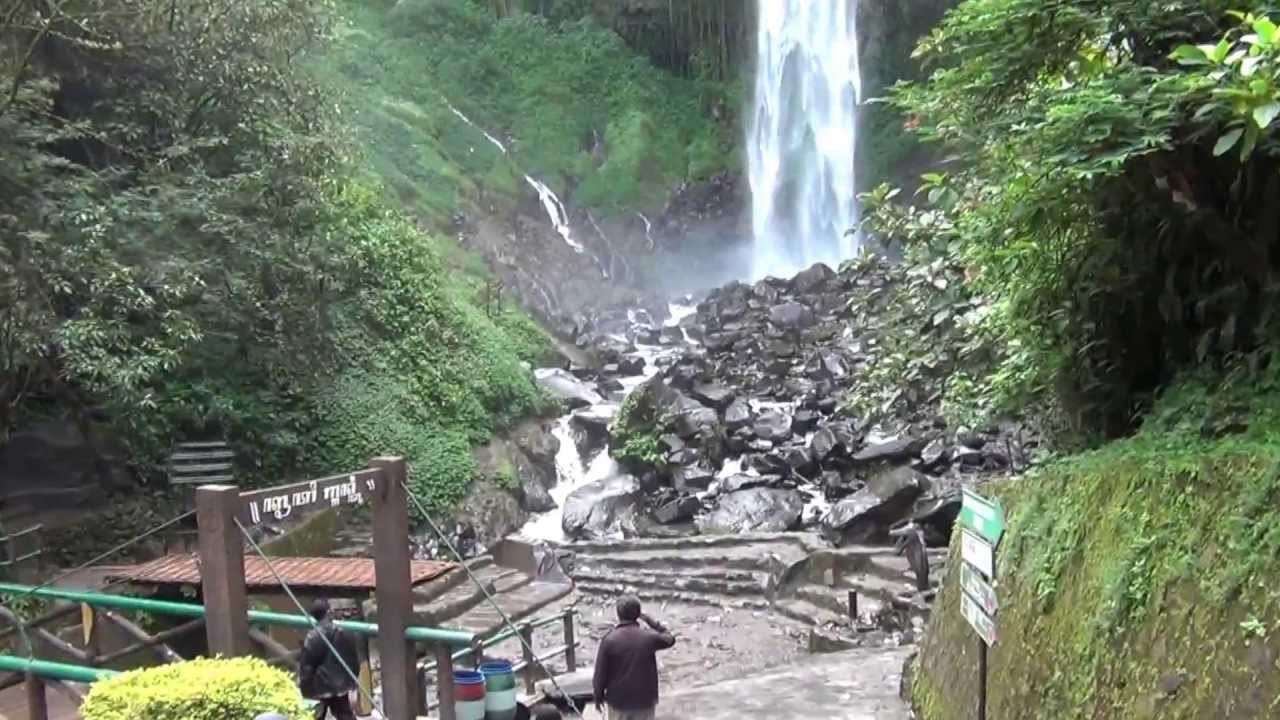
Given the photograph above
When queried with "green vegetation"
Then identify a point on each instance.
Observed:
(577, 108)
(1113, 191)
(187, 253)
(196, 690)
(1113, 198)
(635, 437)
(1147, 562)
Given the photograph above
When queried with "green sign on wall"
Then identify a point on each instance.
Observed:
(984, 517)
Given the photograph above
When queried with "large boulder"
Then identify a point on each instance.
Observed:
(692, 418)
(538, 442)
(713, 395)
(681, 509)
(813, 279)
(734, 483)
(692, 478)
(601, 509)
(631, 365)
(534, 495)
(791, 316)
(889, 450)
(867, 515)
(591, 426)
(773, 425)
(738, 415)
(563, 385)
(757, 509)
(936, 511)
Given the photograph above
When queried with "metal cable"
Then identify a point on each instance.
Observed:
(289, 591)
(22, 627)
(489, 597)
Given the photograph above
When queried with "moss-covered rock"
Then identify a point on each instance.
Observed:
(635, 437)
(1136, 581)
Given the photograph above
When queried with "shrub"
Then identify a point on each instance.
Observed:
(197, 690)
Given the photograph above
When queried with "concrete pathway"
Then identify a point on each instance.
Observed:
(853, 685)
(856, 685)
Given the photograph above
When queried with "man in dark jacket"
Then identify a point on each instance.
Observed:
(323, 675)
(626, 674)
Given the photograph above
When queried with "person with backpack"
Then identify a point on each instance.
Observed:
(327, 666)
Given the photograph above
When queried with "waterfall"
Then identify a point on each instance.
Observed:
(802, 134)
(551, 204)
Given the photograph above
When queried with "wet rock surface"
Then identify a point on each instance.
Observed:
(753, 384)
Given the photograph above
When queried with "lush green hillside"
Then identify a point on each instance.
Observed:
(1136, 581)
(1112, 193)
(189, 253)
(578, 109)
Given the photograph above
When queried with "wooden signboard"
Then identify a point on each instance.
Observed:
(279, 502)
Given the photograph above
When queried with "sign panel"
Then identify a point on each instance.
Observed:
(976, 552)
(279, 502)
(978, 620)
(983, 516)
(976, 587)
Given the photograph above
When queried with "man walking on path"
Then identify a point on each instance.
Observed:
(323, 675)
(626, 673)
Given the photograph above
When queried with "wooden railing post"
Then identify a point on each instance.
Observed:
(394, 594)
(570, 651)
(526, 648)
(226, 601)
(444, 681)
(37, 702)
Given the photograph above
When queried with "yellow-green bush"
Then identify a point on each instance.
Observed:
(203, 689)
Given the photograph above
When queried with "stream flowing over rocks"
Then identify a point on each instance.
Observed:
(737, 401)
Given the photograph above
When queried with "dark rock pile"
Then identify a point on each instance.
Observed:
(746, 426)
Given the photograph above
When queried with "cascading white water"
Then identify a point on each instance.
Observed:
(551, 204)
(802, 134)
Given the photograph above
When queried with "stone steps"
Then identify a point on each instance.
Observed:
(689, 564)
(458, 602)
(516, 602)
(802, 542)
(727, 584)
(658, 594)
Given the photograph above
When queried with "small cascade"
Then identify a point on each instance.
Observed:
(555, 212)
(551, 203)
(648, 231)
(572, 472)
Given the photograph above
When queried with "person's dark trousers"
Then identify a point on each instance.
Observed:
(340, 707)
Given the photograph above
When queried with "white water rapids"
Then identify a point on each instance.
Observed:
(802, 134)
(572, 469)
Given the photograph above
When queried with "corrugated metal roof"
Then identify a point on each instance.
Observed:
(345, 574)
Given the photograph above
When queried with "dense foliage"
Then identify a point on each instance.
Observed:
(196, 690)
(1149, 558)
(1114, 188)
(576, 107)
(186, 253)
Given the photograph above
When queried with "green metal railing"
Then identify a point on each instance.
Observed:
(454, 638)
(54, 670)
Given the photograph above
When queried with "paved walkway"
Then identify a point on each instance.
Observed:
(854, 685)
